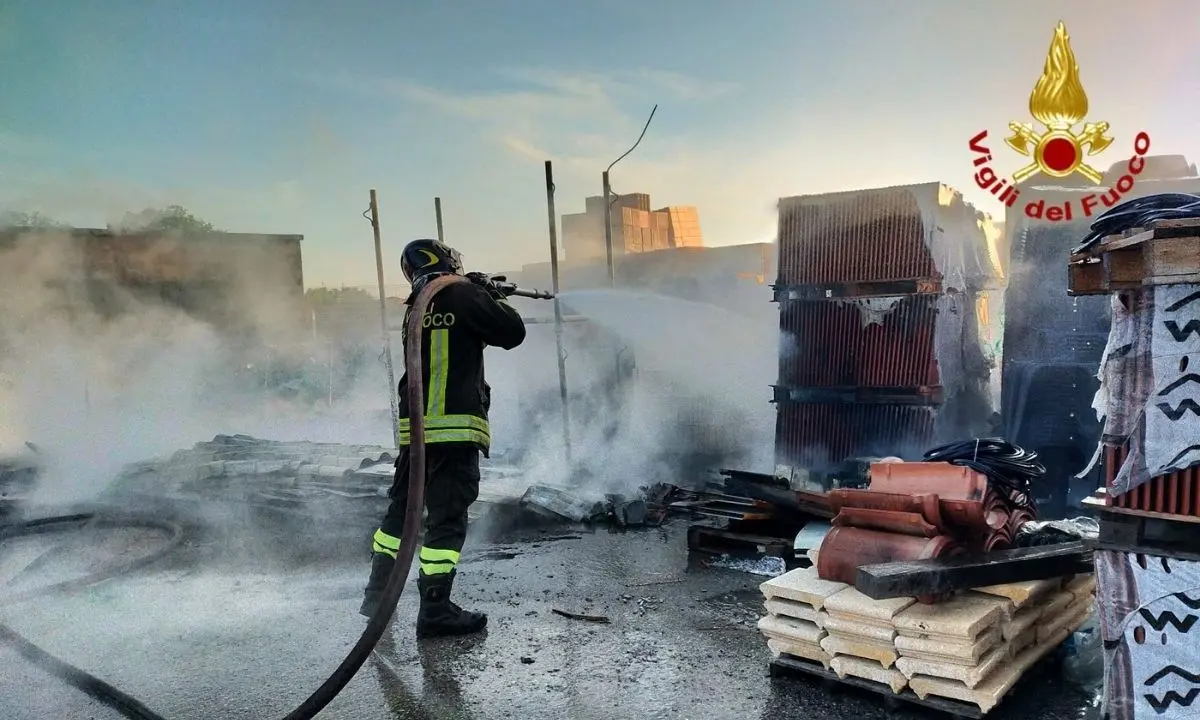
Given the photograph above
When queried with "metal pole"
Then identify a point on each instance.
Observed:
(331, 374)
(558, 318)
(437, 209)
(387, 338)
(608, 243)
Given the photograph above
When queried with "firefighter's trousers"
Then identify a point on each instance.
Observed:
(451, 485)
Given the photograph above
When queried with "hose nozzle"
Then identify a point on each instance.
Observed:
(512, 289)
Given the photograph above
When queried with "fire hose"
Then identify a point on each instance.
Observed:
(377, 624)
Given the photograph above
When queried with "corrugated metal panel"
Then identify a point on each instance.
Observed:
(818, 436)
(833, 349)
(866, 236)
(1176, 493)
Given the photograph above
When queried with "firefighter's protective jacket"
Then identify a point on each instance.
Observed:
(462, 319)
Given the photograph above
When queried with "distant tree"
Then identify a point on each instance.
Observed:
(322, 296)
(13, 218)
(173, 218)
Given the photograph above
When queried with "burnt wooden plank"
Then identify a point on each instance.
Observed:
(939, 575)
(710, 540)
(788, 666)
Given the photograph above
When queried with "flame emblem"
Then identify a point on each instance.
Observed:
(1058, 102)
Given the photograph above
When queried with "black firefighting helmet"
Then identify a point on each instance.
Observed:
(429, 257)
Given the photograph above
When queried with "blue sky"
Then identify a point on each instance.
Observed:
(280, 116)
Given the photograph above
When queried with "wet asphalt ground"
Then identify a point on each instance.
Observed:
(228, 627)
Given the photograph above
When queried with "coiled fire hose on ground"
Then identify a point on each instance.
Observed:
(376, 625)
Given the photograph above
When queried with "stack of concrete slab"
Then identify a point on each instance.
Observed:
(862, 637)
(971, 648)
(975, 647)
(795, 621)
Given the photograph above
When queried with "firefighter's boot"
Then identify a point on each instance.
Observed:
(381, 570)
(438, 616)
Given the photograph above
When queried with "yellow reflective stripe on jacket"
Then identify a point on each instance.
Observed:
(439, 371)
(461, 435)
(440, 427)
(450, 429)
(386, 544)
(448, 422)
(435, 561)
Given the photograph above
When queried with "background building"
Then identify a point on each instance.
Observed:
(635, 228)
(240, 283)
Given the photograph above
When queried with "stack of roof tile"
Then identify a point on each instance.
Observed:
(917, 510)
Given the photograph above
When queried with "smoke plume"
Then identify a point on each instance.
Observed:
(100, 371)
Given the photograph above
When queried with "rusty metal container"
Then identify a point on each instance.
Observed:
(819, 436)
(846, 548)
(838, 345)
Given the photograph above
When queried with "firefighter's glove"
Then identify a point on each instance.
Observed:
(492, 284)
(501, 284)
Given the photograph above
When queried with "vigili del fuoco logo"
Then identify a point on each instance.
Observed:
(1057, 150)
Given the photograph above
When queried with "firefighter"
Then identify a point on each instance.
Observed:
(462, 319)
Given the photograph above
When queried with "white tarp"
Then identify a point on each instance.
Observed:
(1149, 611)
(1150, 383)
(1172, 439)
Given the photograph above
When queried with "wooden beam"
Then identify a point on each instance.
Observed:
(939, 575)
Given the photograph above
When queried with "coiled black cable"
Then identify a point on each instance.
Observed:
(1010, 469)
(93, 686)
(1139, 213)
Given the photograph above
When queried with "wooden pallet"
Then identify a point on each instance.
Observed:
(1166, 253)
(1144, 531)
(715, 541)
(788, 666)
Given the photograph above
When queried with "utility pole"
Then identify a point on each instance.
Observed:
(558, 319)
(608, 245)
(437, 210)
(387, 337)
(608, 203)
